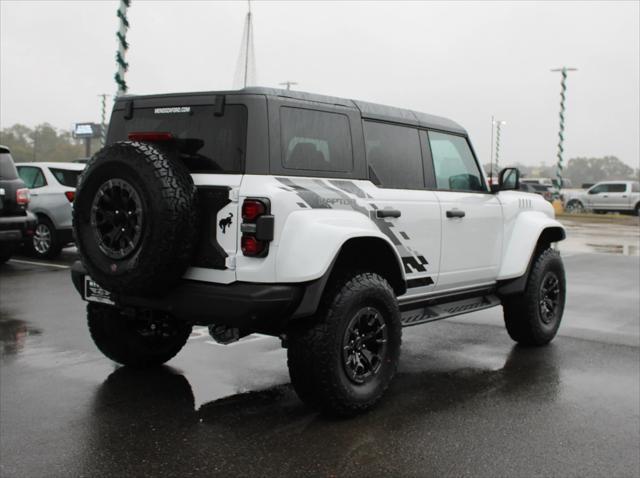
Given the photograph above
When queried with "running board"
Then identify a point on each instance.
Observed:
(433, 312)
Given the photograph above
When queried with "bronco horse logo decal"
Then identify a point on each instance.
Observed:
(226, 222)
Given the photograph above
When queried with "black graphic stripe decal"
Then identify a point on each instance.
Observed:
(421, 282)
(333, 194)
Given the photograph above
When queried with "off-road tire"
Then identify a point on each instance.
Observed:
(118, 337)
(637, 209)
(167, 198)
(54, 246)
(522, 312)
(315, 353)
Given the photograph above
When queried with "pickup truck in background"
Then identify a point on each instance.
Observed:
(606, 196)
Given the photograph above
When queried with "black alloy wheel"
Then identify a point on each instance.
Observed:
(364, 345)
(117, 218)
(549, 297)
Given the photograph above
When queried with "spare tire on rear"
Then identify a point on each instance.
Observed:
(134, 218)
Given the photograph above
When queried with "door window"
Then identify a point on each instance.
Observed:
(454, 164)
(393, 155)
(32, 176)
(617, 188)
(315, 140)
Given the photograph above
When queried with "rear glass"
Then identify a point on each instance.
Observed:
(66, 177)
(7, 168)
(206, 143)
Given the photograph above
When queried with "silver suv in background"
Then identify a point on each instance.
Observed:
(607, 196)
(53, 188)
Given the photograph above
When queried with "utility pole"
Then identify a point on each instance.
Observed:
(498, 124)
(563, 89)
(103, 117)
(123, 46)
(288, 84)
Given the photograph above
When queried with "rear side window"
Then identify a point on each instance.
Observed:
(617, 188)
(454, 164)
(393, 155)
(635, 188)
(66, 177)
(7, 168)
(315, 140)
(33, 177)
(206, 143)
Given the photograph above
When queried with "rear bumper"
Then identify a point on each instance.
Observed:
(250, 307)
(17, 228)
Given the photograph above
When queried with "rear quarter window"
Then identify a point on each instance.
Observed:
(66, 177)
(7, 168)
(315, 140)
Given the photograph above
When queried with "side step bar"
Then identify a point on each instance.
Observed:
(433, 312)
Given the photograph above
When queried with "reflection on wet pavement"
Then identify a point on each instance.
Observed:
(14, 335)
(604, 238)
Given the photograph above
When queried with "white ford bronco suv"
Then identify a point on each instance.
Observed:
(327, 222)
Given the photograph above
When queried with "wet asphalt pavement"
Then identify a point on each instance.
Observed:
(466, 401)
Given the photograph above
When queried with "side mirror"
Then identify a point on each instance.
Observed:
(508, 180)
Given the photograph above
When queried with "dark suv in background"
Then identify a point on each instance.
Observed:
(16, 222)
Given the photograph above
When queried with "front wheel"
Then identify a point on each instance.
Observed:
(533, 317)
(346, 360)
(574, 207)
(144, 340)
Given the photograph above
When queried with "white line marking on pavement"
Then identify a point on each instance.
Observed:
(45, 264)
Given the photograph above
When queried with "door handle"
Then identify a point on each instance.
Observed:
(624, 195)
(388, 213)
(455, 213)
(605, 196)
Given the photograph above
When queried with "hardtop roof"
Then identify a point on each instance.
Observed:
(367, 110)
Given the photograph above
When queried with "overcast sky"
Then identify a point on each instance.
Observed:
(465, 61)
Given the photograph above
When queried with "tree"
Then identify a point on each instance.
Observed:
(43, 143)
(592, 170)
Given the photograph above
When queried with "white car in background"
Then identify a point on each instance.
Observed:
(53, 187)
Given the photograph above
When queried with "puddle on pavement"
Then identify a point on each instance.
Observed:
(14, 335)
(601, 238)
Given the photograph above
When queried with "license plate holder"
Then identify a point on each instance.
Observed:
(94, 293)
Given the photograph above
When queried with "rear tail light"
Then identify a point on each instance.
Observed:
(23, 196)
(257, 227)
(71, 195)
(252, 209)
(252, 246)
(151, 136)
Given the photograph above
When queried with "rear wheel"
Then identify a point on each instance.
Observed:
(533, 317)
(345, 361)
(143, 340)
(45, 243)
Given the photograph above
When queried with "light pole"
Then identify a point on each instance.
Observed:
(563, 88)
(288, 84)
(498, 124)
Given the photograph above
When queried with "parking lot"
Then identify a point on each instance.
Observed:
(467, 401)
